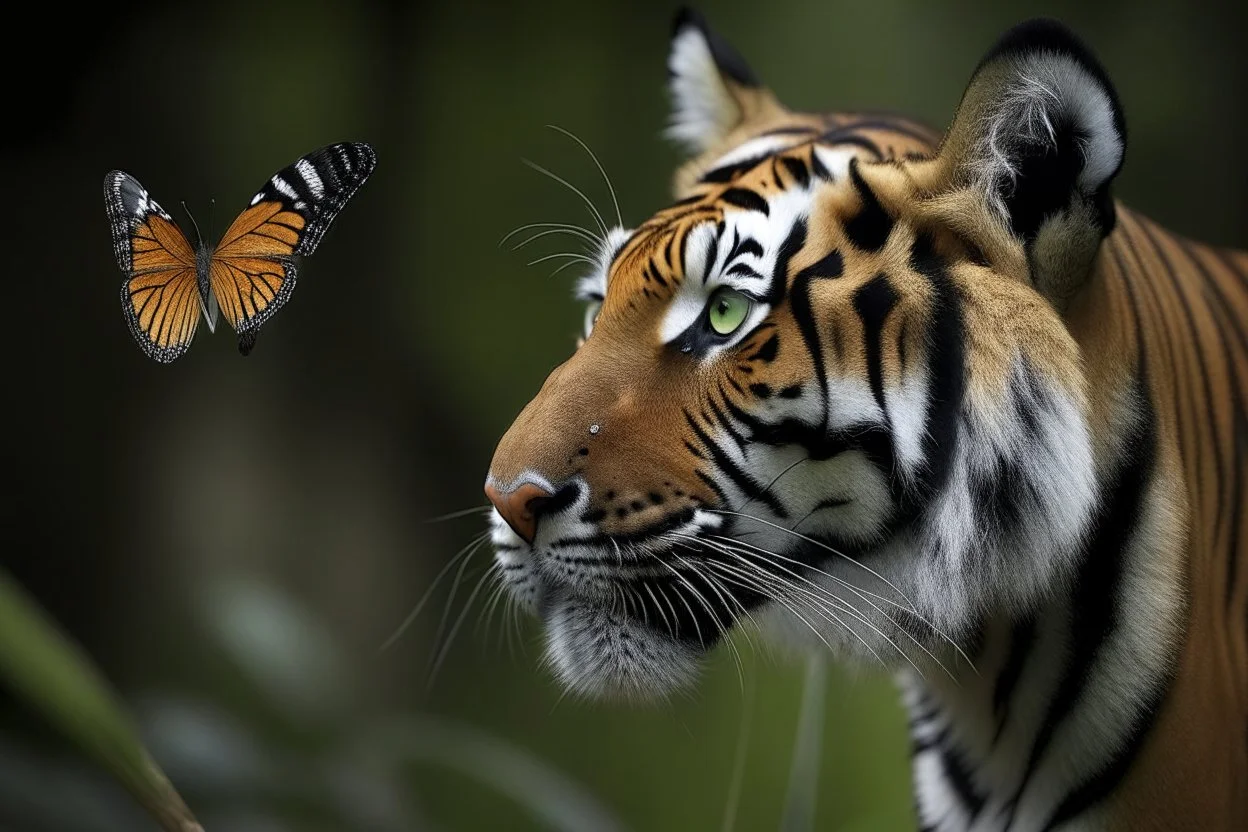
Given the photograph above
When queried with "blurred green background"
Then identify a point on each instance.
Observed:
(232, 539)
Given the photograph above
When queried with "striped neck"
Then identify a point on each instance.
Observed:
(1065, 695)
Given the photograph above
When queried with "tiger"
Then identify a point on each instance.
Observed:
(935, 402)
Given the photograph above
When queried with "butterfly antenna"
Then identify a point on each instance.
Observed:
(195, 224)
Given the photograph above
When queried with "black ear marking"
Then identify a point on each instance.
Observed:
(1042, 129)
(727, 59)
(1046, 34)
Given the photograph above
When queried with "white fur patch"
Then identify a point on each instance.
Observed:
(703, 110)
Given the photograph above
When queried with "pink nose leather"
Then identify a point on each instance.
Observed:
(519, 507)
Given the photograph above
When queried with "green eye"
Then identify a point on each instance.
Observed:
(728, 310)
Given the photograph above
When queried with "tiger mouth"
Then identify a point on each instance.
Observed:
(662, 578)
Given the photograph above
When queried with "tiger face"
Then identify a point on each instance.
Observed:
(827, 393)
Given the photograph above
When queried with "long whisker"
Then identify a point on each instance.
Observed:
(779, 599)
(861, 593)
(671, 628)
(578, 258)
(602, 225)
(450, 638)
(821, 545)
(747, 580)
(692, 617)
(579, 230)
(772, 484)
(675, 537)
(492, 601)
(823, 597)
(723, 627)
(618, 217)
(450, 602)
(424, 599)
(822, 606)
(548, 232)
(566, 265)
(461, 513)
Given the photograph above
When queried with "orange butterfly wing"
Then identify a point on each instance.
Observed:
(161, 296)
(252, 271)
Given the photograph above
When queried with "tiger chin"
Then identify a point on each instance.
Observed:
(910, 398)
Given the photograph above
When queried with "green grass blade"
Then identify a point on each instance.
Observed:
(802, 798)
(60, 682)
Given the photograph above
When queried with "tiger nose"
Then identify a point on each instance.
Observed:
(520, 507)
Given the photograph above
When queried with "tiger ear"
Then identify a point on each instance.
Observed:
(712, 88)
(1037, 140)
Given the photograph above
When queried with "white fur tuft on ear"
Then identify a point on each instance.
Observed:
(703, 108)
(1048, 92)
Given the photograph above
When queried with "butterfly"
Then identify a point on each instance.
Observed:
(249, 274)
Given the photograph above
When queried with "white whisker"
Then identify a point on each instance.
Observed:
(573, 228)
(450, 638)
(549, 232)
(619, 218)
(466, 554)
(602, 225)
(579, 258)
(864, 595)
(821, 545)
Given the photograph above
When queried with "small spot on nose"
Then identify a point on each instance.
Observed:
(520, 507)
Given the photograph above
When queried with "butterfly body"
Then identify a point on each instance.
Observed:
(250, 272)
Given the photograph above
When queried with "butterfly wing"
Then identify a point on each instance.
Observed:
(161, 296)
(252, 272)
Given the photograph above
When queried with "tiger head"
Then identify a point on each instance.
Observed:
(828, 392)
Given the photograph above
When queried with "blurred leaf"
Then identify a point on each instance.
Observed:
(60, 682)
(281, 648)
(550, 796)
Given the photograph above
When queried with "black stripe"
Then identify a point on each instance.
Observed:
(873, 302)
(1099, 786)
(817, 167)
(793, 242)
(898, 125)
(1195, 343)
(664, 524)
(869, 228)
(740, 246)
(726, 423)
(742, 480)
(787, 131)
(842, 136)
(767, 351)
(1239, 434)
(803, 314)
(831, 265)
(958, 776)
(946, 363)
(714, 486)
(1095, 612)
(1022, 642)
(797, 170)
(747, 199)
(729, 172)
